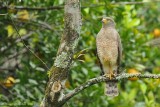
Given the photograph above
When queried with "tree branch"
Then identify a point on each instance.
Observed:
(32, 8)
(134, 2)
(153, 42)
(103, 79)
(68, 44)
(3, 69)
(61, 7)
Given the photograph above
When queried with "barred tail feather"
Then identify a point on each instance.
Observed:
(111, 89)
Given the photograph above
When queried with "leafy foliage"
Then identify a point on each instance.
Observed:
(41, 31)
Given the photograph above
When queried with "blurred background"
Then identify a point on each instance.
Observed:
(23, 77)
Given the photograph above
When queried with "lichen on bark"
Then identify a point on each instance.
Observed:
(61, 60)
(68, 44)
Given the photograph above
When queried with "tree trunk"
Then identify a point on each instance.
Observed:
(69, 41)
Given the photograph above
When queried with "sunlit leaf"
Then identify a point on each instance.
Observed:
(23, 15)
(86, 10)
(133, 23)
(22, 31)
(10, 30)
(143, 88)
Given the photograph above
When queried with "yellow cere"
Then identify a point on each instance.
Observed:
(104, 21)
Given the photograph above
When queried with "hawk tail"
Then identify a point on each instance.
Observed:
(111, 89)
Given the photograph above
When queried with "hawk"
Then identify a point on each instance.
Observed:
(109, 51)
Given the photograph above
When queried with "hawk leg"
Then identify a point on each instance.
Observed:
(111, 74)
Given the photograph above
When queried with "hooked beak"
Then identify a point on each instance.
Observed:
(104, 21)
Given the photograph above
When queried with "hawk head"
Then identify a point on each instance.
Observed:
(107, 21)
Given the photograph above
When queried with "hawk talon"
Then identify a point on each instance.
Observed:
(110, 76)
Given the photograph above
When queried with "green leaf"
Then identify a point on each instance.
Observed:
(32, 81)
(39, 69)
(22, 32)
(133, 23)
(86, 10)
(85, 71)
(132, 94)
(143, 88)
(124, 95)
(32, 64)
(140, 104)
(146, 100)
(29, 94)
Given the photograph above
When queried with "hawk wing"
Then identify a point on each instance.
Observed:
(100, 64)
(119, 52)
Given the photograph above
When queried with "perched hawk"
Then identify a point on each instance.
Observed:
(109, 50)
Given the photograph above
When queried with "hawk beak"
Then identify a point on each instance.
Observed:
(104, 21)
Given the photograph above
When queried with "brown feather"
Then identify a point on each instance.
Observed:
(109, 51)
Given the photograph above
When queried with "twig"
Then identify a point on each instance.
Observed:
(154, 42)
(4, 88)
(138, 2)
(4, 49)
(6, 69)
(61, 7)
(103, 79)
(33, 8)
(17, 31)
(24, 37)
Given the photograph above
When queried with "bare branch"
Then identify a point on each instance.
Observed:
(6, 69)
(25, 36)
(62, 7)
(17, 31)
(103, 79)
(154, 42)
(138, 2)
(33, 8)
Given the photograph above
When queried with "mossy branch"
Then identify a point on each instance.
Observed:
(103, 79)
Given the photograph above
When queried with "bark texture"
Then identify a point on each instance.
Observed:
(69, 41)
